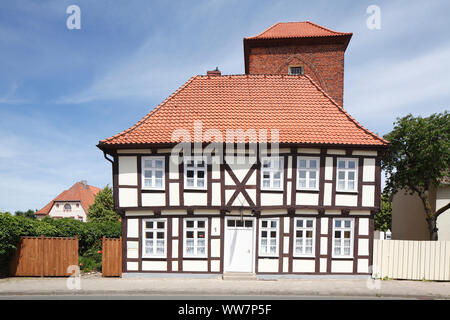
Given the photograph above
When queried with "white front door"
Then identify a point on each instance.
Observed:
(239, 244)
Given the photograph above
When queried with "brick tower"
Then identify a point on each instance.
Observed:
(300, 48)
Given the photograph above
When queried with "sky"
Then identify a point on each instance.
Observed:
(62, 90)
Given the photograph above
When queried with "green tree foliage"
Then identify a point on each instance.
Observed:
(89, 233)
(27, 214)
(383, 218)
(418, 159)
(103, 207)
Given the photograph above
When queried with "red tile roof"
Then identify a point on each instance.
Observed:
(294, 105)
(297, 30)
(78, 192)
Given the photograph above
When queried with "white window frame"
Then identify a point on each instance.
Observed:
(343, 229)
(195, 229)
(196, 169)
(346, 171)
(269, 229)
(305, 229)
(308, 170)
(155, 230)
(302, 68)
(272, 171)
(153, 169)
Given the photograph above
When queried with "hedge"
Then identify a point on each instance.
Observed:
(89, 233)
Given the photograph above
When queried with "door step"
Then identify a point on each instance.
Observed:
(239, 276)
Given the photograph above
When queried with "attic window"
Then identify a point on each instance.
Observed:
(67, 207)
(296, 70)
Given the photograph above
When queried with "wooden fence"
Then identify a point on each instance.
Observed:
(413, 260)
(44, 257)
(112, 257)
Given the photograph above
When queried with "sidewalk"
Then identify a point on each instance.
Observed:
(96, 285)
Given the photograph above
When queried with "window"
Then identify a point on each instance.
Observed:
(195, 237)
(347, 171)
(296, 70)
(154, 238)
(67, 207)
(238, 223)
(152, 173)
(272, 173)
(304, 236)
(195, 173)
(342, 237)
(268, 237)
(308, 173)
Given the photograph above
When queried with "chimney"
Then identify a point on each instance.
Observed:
(214, 72)
(84, 183)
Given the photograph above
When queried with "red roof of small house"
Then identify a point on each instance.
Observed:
(80, 191)
(283, 30)
(292, 104)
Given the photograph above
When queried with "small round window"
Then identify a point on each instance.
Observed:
(67, 207)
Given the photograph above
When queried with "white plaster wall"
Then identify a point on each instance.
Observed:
(174, 248)
(215, 265)
(323, 265)
(271, 199)
(328, 168)
(268, 265)
(303, 265)
(368, 196)
(303, 198)
(323, 225)
(215, 194)
(154, 265)
(252, 194)
(285, 264)
(215, 226)
(175, 222)
(191, 265)
(132, 266)
(363, 228)
(132, 228)
(153, 199)
(215, 247)
(128, 171)
(323, 245)
(215, 167)
(336, 151)
(364, 153)
(369, 170)
(328, 193)
(173, 167)
(133, 213)
(174, 190)
(174, 265)
(73, 213)
(128, 197)
(363, 266)
(286, 222)
(308, 150)
(346, 200)
(363, 247)
(195, 198)
(289, 167)
(286, 245)
(341, 266)
(132, 249)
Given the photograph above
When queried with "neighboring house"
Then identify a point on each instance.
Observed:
(72, 203)
(408, 215)
(306, 210)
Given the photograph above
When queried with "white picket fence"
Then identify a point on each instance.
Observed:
(412, 260)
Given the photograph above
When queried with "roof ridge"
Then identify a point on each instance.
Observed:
(158, 107)
(345, 112)
(265, 30)
(326, 29)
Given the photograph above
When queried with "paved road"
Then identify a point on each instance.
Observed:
(212, 288)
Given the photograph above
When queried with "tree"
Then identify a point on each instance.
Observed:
(383, 218)
(27, 214)
(103, 207)
(418, 159)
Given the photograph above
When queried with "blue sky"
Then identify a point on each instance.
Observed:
(61, 90)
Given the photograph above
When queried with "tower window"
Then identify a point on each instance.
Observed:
(296, 70)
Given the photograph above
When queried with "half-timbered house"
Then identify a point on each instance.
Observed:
(280, 179)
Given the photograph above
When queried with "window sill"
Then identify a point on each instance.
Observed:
(262, 256)
(272, 190)
(195, 190)
(154, 257)
(153, 190)
(308, 190)
(346, 192)
(195, 257)
(342, 257)
(304, 256)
